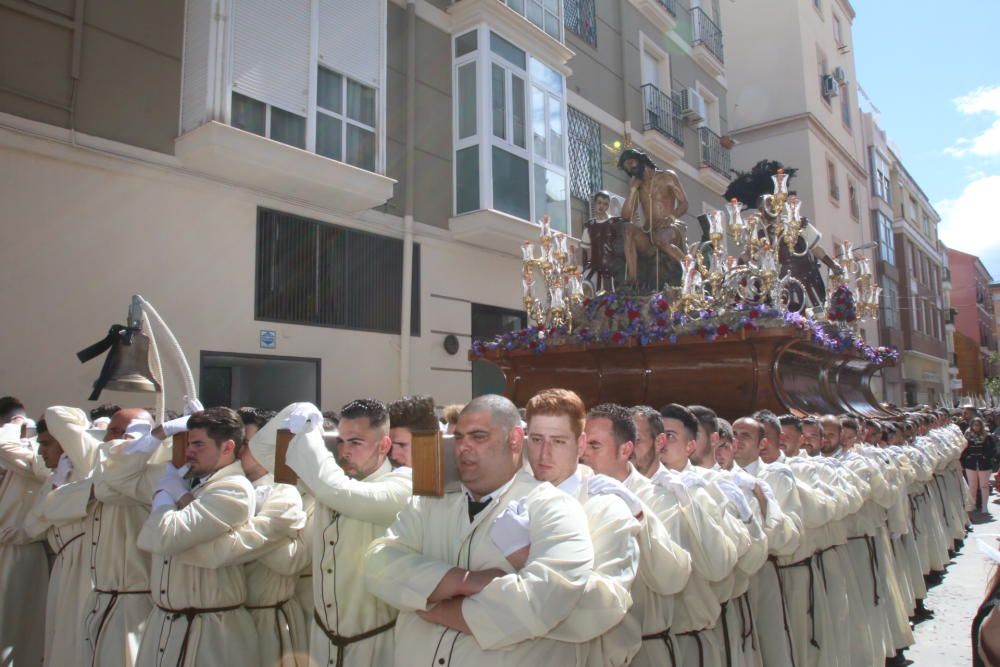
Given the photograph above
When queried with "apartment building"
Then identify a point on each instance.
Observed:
(793, 98)
(322, 198)
(975, 341)
(921, 280)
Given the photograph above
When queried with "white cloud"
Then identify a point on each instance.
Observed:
(971, 222)
(983, 100)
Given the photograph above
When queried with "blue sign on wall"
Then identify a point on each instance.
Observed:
(268, 339)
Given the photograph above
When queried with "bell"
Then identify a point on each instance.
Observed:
(129, 365)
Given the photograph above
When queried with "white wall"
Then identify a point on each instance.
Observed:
(83, 232)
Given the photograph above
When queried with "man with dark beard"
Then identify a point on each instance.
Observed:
(661, 197)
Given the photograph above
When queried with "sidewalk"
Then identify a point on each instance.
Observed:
(943, 641)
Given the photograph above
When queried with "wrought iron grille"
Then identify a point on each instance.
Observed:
(713, 153)
(662, 113)
(580, 18)
(585, 174)
(704, 31)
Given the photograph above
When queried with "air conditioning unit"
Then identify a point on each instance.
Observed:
(839, 75)
(693, 107)
(829, 86)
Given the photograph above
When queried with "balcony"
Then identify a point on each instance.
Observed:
(946, 279)
(714, 168)
(706, 42)
(661, 13)
(661, 113)
(247, 159)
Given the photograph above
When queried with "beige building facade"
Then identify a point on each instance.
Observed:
(315, 195)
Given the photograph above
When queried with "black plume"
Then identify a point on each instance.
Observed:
(748, 186)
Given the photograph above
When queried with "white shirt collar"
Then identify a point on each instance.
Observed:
(492, 495)
(753, 467)
(571, 484)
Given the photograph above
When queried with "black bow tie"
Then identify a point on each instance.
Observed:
(476, 506)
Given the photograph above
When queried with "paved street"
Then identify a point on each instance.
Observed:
(944, 641)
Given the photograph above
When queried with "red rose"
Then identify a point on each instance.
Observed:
(662, 304)
(661, 322)
(754, 314)
(608, 312)
(723, 329)
(617, 337)
(633, 314)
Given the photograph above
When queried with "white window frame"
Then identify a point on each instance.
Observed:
(344, 119)
(541, 3)
(485, 58)
(714, 121)
(223, 70)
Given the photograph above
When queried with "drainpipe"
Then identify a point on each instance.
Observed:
(411, 124)
(626, 93)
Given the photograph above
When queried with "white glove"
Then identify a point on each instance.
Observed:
(603, 485)
(63, 470)
(147, 444)
(191, 406)
(138, 428)
(262, 493)
(736, 497)
(744, 480)
(303, 418)
(692, 480)
(671, 482)
(175, 426)
(768, 493)
(172, 483)
(510, 531)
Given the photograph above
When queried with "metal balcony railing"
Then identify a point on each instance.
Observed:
(713, 153)
(662, 113)
(704, 31)
(670, 6)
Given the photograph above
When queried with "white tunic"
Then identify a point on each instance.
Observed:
(272, 551)
(348, 515)
(24, 570)
(512, 616)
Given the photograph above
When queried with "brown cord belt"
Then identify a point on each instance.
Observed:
(667, 639)
(746, 621)
(697, 637)
(784, 608)
(279, 612)
(107, 614)
(66, 544)
(725, 632)
(872, 562)
(342, 642)
(811, 609)
(189, 614)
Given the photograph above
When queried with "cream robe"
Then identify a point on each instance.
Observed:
(512, 616)
(664, 571)
(58, 518)
(815, 506)
(272, 550)
(119, 602)
(304, 584)
(600, 622)
(784, 529)
(24, 568)
(713, 557)
(348, 515)
(223, 502)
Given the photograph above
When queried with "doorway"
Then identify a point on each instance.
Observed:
(260, 381)
(487, 322)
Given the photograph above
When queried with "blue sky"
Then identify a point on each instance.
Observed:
(933, 71)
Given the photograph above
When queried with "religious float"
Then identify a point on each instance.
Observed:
(739, 321)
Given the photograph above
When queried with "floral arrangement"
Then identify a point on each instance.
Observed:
(615, 319)
(842, 307)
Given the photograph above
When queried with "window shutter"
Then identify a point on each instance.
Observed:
(350, 38)
(271, 52)
(196, 108)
